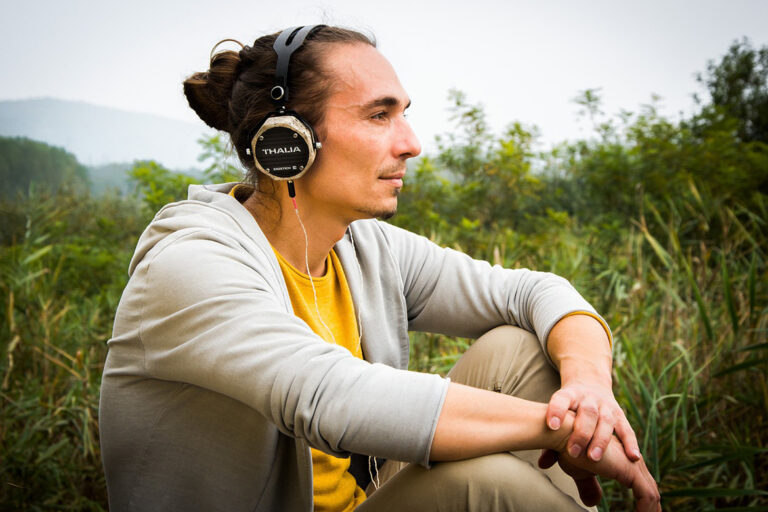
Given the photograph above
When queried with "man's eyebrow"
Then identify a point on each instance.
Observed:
(384, 101)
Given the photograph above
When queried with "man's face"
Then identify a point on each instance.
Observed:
(366, 139)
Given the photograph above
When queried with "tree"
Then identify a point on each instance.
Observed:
(24, 162)
(159, 186)
(738, 87)
(218, 155)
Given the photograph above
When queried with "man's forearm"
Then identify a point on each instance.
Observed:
(581, 350)
(475, 422)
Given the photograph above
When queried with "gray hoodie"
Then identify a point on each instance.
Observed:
(213, 391)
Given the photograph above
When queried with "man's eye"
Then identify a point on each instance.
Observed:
(379, 115)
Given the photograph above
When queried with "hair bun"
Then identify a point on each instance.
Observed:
(208, 93)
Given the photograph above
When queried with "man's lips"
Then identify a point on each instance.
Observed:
(395, 178)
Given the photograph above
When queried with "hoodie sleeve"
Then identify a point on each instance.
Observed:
(211, 317)
(448, 292)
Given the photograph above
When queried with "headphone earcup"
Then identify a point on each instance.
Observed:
(284, 146)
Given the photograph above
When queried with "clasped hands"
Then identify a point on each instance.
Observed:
(592, 415)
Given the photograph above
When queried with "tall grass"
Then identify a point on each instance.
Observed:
(686, 293)
(691, 354)
(687, 297)
(61, 273)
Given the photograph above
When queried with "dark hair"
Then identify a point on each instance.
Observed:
(233, 95)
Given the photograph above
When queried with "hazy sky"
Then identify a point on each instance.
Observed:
(523, 60)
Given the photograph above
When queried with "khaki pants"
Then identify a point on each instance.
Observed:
(507, 360)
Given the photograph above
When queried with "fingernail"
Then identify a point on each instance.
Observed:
(554, 423)
(636, 453)
(574, 450)
(596, 453)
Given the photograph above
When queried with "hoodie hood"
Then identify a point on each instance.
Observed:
(206, 207)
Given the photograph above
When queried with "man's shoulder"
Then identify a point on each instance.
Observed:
(205, 225)
(380, 229)
(372, 237)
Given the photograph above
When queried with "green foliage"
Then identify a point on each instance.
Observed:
(24, 162)
(218, 156)
(690, 321)
(476, 184)
(738, 87)
(660, 224)
(650, 157)
(159, 186)
(698, 403)
(60, 282)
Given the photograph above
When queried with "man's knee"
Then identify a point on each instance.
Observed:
(509, 360)
(486, 474)
(497, 482)
(509, 339)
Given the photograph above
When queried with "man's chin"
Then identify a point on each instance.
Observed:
(382, 214)
(386, 215)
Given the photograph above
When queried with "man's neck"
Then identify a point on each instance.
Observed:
(278, 221)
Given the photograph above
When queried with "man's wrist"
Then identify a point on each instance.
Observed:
(580, 348)
(595, 370)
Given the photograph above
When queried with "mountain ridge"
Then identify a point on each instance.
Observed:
(99, 135)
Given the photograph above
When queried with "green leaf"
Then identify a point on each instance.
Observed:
(751, 363)
(728, 295)
(699, 301)
(51, 451)
(717, 492)
(758, 346)
(37, 255)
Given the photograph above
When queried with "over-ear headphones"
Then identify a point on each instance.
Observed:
(283, 145)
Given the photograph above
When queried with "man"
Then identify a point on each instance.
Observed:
(236, 381)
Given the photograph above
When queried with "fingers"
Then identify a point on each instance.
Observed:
(583, 427)
(654, 496)
(646, 492)
(602, 434)
(636, 476)
(628, 439)
(614, 464)
(648, 504)
(598, 416)
(559, 405)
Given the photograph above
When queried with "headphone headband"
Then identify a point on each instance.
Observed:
(286, 43)
(283, 145)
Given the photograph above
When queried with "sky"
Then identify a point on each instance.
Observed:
(522, 60)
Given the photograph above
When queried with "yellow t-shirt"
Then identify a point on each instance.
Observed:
(335, 489)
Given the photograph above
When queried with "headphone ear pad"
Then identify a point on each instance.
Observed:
(284, 147)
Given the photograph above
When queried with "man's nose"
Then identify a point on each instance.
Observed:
(406, 143)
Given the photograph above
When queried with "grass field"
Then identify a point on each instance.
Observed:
(685, 293)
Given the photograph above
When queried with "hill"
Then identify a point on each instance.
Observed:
(100, 135)
(24, 162)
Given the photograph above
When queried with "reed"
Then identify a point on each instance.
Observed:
(685, 291)
(686, 294)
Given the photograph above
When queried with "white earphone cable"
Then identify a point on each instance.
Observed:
(309, 274)
(373, 469)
